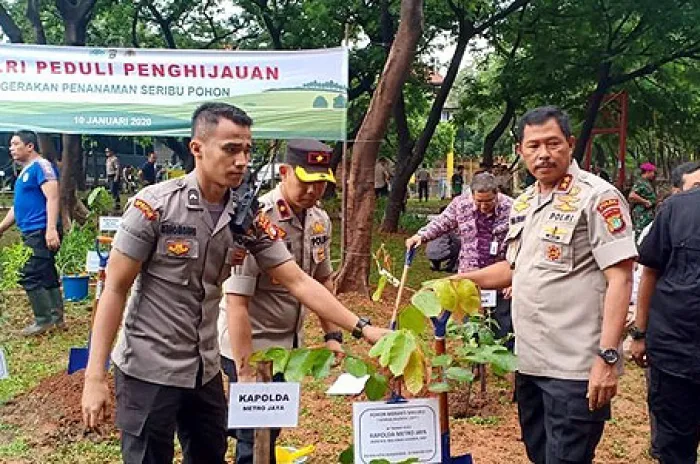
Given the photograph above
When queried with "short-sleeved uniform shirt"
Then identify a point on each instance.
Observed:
(558, 247)
(29, 201)
(276, 316)
(112, 166)
(169, 328)
(672, 247)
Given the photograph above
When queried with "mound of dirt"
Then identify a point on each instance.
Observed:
(53, 410)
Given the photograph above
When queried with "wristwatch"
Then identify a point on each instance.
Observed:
(610, 356)
(361, 323)
(336, 335)
(637, 334)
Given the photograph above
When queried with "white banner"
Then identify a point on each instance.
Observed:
(154, 92)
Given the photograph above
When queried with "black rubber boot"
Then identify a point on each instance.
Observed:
(57, 307)
(40, 299)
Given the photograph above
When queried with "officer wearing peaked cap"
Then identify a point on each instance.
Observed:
(260, 312)
(176, 246)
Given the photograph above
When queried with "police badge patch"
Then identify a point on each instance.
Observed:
(611, 212)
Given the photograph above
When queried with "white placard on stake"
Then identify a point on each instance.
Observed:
(263, 405)
(4, 371)
(397, 431)
(488, 298)
(110, 223)
(92, 262)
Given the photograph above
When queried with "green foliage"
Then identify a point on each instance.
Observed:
(411, 318)
(411, 223)
(70, 259)
(298, 363)
(100, 202)
(401, 351)
(12, 260)
(457, 296)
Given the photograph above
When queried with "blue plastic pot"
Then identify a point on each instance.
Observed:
(75, 287)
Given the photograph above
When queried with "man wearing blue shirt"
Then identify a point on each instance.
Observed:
(35, 211)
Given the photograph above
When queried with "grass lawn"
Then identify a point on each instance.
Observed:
(492, 435)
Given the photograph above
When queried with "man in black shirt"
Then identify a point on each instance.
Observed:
(668, 315)
(148, 170)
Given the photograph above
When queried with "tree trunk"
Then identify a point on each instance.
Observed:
(182, 151)
(69, 172)
(76, 16)
(408, 162)
(47, 147)
(592, 110)
(354, 273)
(496, 133)
(402, 172)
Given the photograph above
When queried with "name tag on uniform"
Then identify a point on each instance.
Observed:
(488, 298)
(263, 405)
(494, 248)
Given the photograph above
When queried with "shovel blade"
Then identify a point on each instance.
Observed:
(77, 359)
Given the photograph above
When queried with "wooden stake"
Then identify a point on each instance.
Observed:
(262, 451)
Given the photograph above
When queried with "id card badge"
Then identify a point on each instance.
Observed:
(494, 248)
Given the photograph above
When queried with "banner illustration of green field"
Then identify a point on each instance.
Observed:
(154, 92)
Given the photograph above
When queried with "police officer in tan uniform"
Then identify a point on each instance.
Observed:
(114, 182)
(176, 246)
(262, 313)
(570, 256)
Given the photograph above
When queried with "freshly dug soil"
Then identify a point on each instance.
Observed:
(53, 410)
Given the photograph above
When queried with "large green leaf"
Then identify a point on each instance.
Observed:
(427, 302)
(411, 318)
(468, 296)
(279, 357)
(382, 345)
(440, 387)
(355, 366)
(401, 350)
(414, 372)
(459, 374)
(446, 294)
(322, 362)
(376, 387)
(348, 455)
(299, 365)
(443, 360)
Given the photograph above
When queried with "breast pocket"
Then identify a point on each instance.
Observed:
(173, 259)
(555, 251)
(512, 242)
(686, 270)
